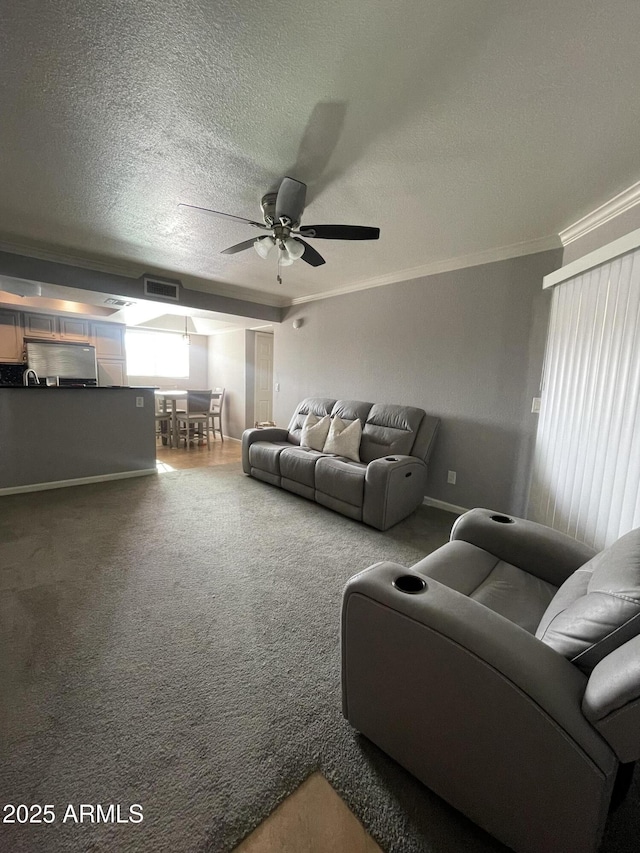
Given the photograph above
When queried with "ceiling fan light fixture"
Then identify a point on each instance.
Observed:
(264, 246)
(284, 258)
(282, 214)
(295, 248)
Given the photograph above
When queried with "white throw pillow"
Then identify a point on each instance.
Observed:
(314, 431)
(344, 438)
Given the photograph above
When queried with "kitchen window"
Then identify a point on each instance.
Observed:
(158, 354)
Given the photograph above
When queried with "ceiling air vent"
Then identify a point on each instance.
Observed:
(119, 302)
(162, 289)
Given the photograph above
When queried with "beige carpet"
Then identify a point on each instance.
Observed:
(173, 641)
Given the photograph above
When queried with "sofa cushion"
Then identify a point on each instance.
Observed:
(319, 406)
(586, 627)
(350, 410)
(265, 455)
(341, 479)
(513, 593)
(314, 431)
(298, 464)
(389, 430)
(337, 505)
(344, 438)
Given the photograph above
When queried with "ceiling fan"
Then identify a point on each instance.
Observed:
(282, 212)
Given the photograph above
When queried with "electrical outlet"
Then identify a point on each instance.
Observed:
(451, 477)
(139, 402)
(277, 386)
(535, 405)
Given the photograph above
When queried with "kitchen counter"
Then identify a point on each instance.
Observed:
(70, 436)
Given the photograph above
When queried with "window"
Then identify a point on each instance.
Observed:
(156, 353)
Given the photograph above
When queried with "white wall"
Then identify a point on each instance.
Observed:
(227, 369)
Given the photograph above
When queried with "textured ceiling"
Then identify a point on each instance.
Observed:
(456, 126)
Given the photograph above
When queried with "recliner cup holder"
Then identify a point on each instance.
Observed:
(502, 519)
(391, 458)
(411, 584)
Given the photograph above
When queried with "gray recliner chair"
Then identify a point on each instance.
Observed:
(503, 670)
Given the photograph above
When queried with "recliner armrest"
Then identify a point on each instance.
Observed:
(251, 435)
(535, 548)
(465, 630)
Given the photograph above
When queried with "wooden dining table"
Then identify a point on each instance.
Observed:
(172, 396)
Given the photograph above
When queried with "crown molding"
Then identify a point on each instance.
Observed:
(135, 269)
(628, 243)
(49, 253)
(487, 256)
(609, 210)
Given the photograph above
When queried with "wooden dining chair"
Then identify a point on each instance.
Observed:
(196, 414)
(215, 412)
(163, 422)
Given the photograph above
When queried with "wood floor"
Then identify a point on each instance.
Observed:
(314, 819)
(197, 456)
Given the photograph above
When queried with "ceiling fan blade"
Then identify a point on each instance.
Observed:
(290, 200)
(340, 232)
(239, 247)
(310, 255)
(226, 215)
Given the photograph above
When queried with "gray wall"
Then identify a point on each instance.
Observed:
(465, 345)
(51, 434)
(606, 233)
(227, 360)
(198, 377)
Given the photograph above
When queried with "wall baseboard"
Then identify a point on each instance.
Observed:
(444, 505)
(231, 438)
(80, 481)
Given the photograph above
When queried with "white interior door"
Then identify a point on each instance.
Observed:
(263, 399)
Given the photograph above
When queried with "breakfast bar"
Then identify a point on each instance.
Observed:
(63, 436)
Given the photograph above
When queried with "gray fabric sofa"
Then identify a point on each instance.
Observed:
(385, 487)
(503, 670)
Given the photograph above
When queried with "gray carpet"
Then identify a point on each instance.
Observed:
(174, 641)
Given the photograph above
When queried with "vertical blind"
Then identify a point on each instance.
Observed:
(586, 469)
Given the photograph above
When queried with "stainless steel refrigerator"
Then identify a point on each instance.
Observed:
(71, 363)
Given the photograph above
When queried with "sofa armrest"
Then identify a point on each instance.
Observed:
(251, 435)
(478, 709)
(535, 548)
(393, 487)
